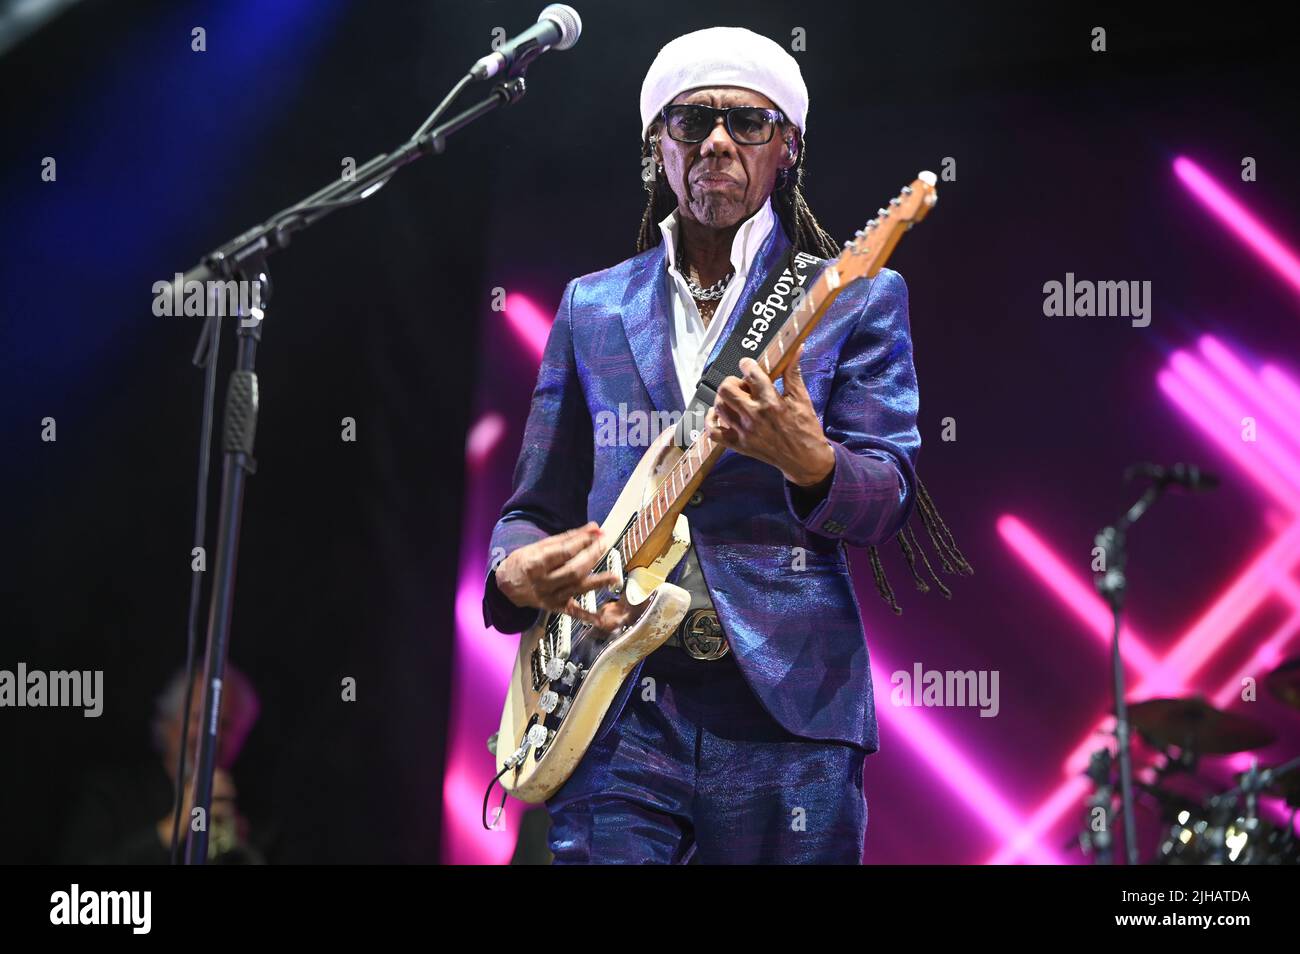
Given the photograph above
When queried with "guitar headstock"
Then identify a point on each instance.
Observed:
(866, 252)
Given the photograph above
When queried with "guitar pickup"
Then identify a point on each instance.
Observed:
(539, 677)
(616, 566)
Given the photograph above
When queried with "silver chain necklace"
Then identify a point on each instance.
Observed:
(713, 292)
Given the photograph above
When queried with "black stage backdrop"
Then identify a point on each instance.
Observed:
(350, 551)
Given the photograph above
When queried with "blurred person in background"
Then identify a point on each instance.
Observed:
(124, 816)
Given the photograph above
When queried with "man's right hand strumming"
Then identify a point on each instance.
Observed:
(550, 573)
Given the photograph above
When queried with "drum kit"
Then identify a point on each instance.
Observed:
(1224, 827)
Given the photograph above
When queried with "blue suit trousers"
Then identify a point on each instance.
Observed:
(696, 770)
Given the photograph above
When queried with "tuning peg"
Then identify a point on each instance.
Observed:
(907, 190)
(872, 224)
(894, 202)
(883, 213)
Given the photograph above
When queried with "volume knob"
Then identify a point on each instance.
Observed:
(554, 668)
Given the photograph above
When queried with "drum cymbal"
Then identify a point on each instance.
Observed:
(1195, 725)
(1283, 683)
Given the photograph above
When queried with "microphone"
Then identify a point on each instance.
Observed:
(557, 26)
(1186, 476)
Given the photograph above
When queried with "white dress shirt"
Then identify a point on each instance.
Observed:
(692, 342)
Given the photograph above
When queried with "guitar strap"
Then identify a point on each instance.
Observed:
(780, 293)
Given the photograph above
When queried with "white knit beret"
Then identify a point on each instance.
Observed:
(724, 56)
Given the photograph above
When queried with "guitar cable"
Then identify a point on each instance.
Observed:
(531, 738)
(488, 794)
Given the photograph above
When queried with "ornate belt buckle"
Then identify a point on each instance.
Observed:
(702, 636)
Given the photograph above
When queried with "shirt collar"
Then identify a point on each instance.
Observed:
(744, 247)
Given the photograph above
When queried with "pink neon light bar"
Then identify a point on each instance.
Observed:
(1239, 219)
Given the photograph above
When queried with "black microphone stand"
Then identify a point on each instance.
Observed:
(1111, 584)
(245, 259)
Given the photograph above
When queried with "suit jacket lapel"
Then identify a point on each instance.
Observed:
(646, 319)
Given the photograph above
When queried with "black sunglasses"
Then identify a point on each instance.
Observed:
(747, 125)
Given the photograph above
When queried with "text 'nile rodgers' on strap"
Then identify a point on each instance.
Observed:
(778, 296)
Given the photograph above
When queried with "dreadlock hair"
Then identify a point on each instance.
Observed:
(807, 235)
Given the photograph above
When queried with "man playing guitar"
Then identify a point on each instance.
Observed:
(741, 739)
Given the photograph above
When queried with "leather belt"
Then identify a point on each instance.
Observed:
(700, 635)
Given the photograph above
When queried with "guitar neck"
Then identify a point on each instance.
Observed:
(648, 534)
(651, 528)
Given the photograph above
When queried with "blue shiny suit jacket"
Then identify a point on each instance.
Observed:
(775, 564)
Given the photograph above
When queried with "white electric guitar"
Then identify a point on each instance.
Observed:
(567, 673)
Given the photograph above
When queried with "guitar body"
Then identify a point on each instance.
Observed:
(602, 663)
